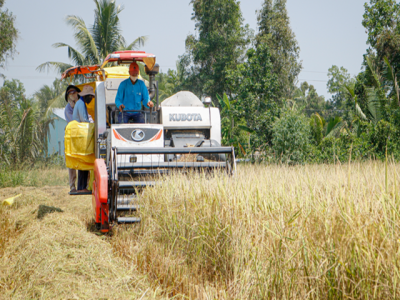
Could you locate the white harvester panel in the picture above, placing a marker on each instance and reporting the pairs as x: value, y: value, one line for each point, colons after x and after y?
x: 185, y: 117
x: 137, y: 136
x: 192, y: 118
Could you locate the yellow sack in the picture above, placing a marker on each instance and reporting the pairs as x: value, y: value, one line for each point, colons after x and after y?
x: 79, y: 145
x: 91, y: 180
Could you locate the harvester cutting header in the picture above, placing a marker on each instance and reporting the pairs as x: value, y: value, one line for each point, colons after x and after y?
x: 135, y: 143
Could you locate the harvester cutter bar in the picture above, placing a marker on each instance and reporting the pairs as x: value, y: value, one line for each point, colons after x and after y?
x: 188, y: 150
x: 130, y: 170
x: 123, y: 207
x: 144, y: 167
x: 125, y: 203
x: 126, y: 185
x: 170, y: 165
x: 128, y: 220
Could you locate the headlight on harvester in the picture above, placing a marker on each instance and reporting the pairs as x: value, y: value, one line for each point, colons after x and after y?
x: 132, y: 159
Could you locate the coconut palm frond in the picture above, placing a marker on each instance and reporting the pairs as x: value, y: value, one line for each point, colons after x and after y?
x: 106, y: 30
x: 77, y: 58
x: 337, y: 129
x: 360, y: 113
x: 84, y: 39
x: 57, y: 66
x: 374, y: 72
x: 374, y: 108
x: 136, y: 44
x: 95, y: 42
x: 351, y: 92
x: 56, y: 102
x: 320, y: 120
x: 332, y: 124
x: 390, y: 75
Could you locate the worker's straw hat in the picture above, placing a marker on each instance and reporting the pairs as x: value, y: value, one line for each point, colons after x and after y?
x: 87, y: 90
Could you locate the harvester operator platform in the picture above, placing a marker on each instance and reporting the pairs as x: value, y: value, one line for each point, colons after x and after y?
x: 132, y: 92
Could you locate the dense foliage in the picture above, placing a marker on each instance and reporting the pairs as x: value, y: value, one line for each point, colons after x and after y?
x: 291, y: 137
x: 267, y: 114
x: 23, y: 126
x: 275, y: 32
x: 217, y: 47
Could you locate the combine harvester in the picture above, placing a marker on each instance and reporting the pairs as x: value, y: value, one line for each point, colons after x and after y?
x: 181, y: 133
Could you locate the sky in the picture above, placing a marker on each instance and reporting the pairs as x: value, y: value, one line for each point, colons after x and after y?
x: 328, y: 33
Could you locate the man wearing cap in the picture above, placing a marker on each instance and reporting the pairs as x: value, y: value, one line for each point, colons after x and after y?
x: 71, y: 96
x: 81, y: 115
x: 132, y: 92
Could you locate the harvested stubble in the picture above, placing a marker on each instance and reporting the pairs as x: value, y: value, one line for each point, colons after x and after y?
x: 270, y: 232
x: 57, y: 257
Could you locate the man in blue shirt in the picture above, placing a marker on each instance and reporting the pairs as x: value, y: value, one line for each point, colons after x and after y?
x: 132, y: 92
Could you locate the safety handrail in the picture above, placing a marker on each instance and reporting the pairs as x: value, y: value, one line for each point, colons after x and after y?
x: 146, y: 113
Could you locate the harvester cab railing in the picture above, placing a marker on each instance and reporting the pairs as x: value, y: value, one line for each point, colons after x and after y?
x: 150, y: 115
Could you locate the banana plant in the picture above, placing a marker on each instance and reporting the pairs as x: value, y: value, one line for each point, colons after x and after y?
x: 377, y: 101
x: 391, y: 77
x: 231, y: 127
x: 334, y: 126
x: 227, y: 113
x: 317, y: 124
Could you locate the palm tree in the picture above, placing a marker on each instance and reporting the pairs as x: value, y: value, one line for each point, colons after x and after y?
x: 52, y: 96
x: 96, y: 42
x: 47, y: 98
x: 21, y: 126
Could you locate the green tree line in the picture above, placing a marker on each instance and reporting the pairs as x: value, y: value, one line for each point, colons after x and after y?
x: 251, y: 75
x: 266, y: 113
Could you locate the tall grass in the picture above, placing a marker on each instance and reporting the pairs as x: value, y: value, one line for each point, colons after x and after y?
x: 276, y: 232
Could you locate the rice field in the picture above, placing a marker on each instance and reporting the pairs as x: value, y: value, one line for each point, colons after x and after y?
x: 269, y: 232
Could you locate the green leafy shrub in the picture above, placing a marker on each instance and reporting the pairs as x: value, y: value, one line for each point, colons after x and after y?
x: 291, y: 138
x: 379, y: 137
